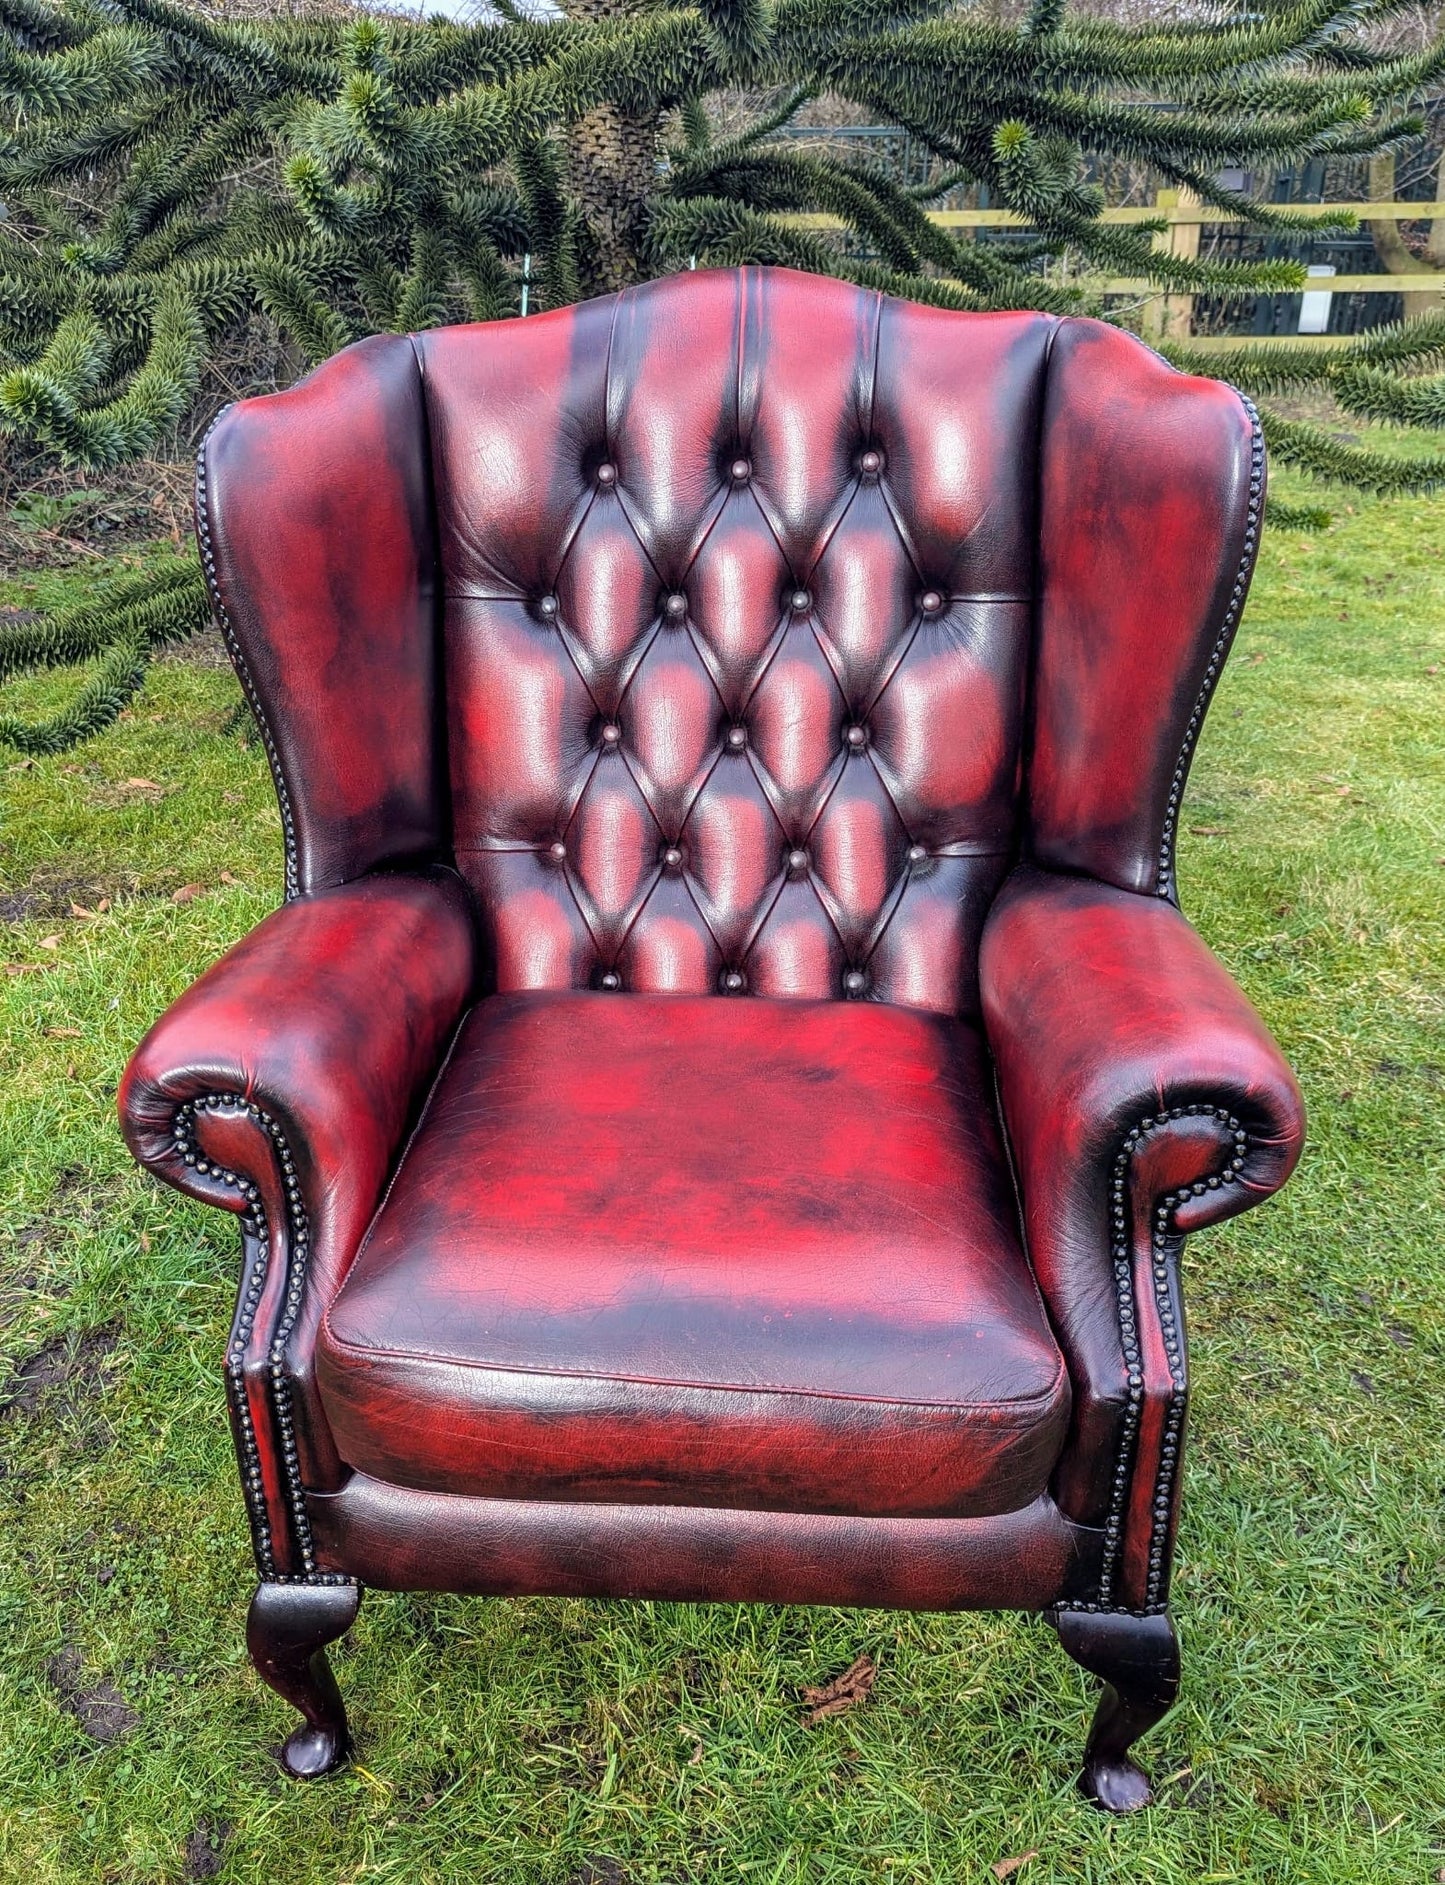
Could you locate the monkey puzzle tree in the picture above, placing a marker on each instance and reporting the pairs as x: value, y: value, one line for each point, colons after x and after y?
x: 167, y: 176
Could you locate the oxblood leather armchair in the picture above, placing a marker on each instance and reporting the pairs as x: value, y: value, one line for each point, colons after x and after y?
x: 729, y: 739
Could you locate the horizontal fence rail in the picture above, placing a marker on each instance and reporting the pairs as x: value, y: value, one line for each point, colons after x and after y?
x: 1183, y: 218
x: 1163, y: 212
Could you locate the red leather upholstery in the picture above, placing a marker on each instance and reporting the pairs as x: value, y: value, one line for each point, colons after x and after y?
x: 1106, y: 1014
x: 400, y: 1540
x: 607, y: 1271
x: 332, y: 1015
x: 693, y: 543
x: 1151, y: 486
x: 746, y: 634
x: 280, y: 1086
x: 314, y: 512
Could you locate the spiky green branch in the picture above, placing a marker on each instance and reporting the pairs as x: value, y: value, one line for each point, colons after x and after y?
x: 169, y: 176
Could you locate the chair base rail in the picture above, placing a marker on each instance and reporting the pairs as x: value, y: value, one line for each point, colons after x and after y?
x: 395, y: 1538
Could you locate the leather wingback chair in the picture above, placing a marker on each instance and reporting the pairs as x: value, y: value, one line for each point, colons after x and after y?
x: 718, y: 1111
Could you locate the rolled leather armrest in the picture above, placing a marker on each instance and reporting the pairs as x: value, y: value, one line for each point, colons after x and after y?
x: 1134, y: 1078
x: 300, y: 1058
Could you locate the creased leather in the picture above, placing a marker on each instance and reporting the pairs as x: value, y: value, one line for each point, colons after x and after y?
x: 316, y: 519
x: 331, y: 1016
x: 396, y: 1539
x: 1104, y: 1007
x: 705, y: 1252
x: 1147, y: 524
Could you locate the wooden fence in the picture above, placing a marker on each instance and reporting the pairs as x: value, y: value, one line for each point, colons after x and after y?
x: 1185, y: 218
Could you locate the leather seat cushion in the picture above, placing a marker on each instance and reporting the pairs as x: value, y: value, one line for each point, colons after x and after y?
x: 708, y: 1252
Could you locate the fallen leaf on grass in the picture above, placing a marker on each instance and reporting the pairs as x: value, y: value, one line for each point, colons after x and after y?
x: 227, y: 878
x: 27, y: 968
x: 49, y: 942
x: 1208, y: 831
x: 842, y: 1693
x: 186, y: 894
x: 65, y: 1034
x: 1005, y: 1868
x: 139, y: 785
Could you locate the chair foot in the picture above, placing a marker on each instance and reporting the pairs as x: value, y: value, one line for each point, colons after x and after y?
x: 1138, y: 1660
x: 287, y: 1630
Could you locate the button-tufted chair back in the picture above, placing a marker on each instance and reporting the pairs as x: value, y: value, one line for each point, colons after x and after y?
x: 739, y: 632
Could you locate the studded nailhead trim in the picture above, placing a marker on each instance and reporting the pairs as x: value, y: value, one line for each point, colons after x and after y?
x: 238, y: 658
x: 1164, y: 882
x: 1164, y: 1241
x: 258, y: 1241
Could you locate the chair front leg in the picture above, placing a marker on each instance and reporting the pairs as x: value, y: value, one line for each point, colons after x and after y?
x: 287, y: 1631
x: 1126, y: 1636
x: 1138, y: 1660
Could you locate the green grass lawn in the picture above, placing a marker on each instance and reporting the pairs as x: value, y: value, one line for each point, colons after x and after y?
x: 612, y: 1744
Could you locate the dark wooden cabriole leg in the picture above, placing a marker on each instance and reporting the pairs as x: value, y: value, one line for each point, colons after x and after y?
x: 287, y: 1631
x: 1138, y: 1660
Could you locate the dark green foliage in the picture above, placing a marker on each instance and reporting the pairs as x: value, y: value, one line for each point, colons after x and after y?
x: 116, y: 631
x: 169, y: 176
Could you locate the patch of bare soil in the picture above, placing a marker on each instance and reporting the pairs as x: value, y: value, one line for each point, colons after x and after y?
x: 204, y: 1852
x: 206, y: 650
x: 78, y: 1363
x: 53, y: 891
x: 600, y: 1871
x: 100, y: 1708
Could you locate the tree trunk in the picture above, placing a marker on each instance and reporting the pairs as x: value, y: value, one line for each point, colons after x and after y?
x: 612, y: 166
x: 1391, y: 246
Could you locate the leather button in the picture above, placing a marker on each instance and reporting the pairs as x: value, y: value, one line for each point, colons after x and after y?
x: 672, y: 858
x: 740, y: 470
x: 606, y: 474
x: 548, y: 607
x: 734, y: 982
x: 916, y: 854
x: 854, y: 982
x: 610, y: 980
x: 557, y: 851
x: 612, y: 734
x: 931, y: 602
x: 800, y: 601
x: 675, y: 607
x: 870, y: 464
x: 855, y: 738
x: 797, y: 861
x: 737, y: 739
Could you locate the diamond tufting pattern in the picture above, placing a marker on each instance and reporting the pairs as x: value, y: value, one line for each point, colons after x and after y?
x: 737, y: 613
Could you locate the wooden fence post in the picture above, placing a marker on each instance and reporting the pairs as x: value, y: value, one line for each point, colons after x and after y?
x: 1171, y: 317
